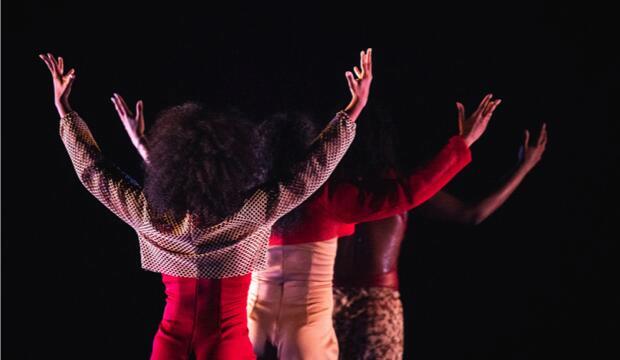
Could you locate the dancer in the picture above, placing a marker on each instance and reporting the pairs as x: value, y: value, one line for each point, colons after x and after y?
x: 290, y: 304
x: 368, y: 313
x: 205, y: 214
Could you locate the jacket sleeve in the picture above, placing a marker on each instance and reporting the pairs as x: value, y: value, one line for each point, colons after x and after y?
x: 269, y: 204
x: 113, y: 188
x: 350, y: 204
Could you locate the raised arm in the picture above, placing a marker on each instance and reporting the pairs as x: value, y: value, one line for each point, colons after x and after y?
x: 63, y: 82
x: 117, y: 191
x: 133, y: 123
x: 325, y: 153
x: 352, y: 204
x: 359, y: 85
x: 446, y: 207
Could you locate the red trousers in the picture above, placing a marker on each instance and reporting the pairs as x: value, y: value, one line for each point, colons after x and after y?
x: 204, y: 317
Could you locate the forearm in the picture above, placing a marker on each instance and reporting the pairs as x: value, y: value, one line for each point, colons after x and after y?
x: 113, y: 188
x: 63, y: 107
x: 143, y: 149
x: 351, y: 203
x: 324, y: 155
x: 437, y: 173
x: 355, y: 107
x: 79, y: 142
x: 479, y: 211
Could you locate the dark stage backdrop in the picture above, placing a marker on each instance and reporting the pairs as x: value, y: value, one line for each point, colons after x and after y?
x: 537, y: 280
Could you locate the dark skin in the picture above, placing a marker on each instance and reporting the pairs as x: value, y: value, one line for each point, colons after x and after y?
x: 371, y: 253
x: 370, y: 257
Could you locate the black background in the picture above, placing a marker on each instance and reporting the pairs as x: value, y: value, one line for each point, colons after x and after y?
x: 536, y: 280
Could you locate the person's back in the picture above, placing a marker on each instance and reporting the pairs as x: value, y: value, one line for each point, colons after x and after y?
x: 205, y: 216
x: 368, y: 313
x: 370, y: 256
x: 290, y: 304
x: 366, y: 289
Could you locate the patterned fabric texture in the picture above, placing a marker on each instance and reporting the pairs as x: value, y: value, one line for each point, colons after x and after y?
x: 237, y: 245
x: 369, y: 323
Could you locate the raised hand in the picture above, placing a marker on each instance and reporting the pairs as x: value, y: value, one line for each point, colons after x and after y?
x: 359, y: 85
x: 473, y: 127
x: 530, y: 155
x: 133, y: 123
x: 62, y: 82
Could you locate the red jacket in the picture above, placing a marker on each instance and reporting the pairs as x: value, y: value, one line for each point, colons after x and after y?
x: 336, y: 207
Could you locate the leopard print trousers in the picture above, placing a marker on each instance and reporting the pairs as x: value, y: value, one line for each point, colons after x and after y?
x: 369, y: 323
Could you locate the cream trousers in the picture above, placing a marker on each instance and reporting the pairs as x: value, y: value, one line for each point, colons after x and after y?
x: 290, y: 304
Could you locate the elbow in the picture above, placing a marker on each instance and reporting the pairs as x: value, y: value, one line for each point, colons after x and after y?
x: 474, y: 217
x: 88, y: 176
x: 477, y: 220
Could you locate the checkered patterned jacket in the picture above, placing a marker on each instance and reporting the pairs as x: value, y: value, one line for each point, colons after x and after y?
x: 235, y: 246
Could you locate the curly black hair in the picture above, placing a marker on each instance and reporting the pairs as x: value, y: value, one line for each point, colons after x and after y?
x: 374, y: 156
x: 288, y: 138
x: 202, y: 162
x: 374, y: 153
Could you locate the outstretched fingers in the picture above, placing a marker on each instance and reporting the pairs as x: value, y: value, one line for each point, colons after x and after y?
x: 351, y: 81
x: 368, y: 65
x: 53, y: 61
x: 491, y: 106
x: 124, y: 105
x: 460, y: 108
x: 362, y: 68
x: 48, y: 63
x: 140, y: 116
x: 461, y: 116
x: 482, y: 106
x: 120, y: 103
x: 365, y: 69
x: 526, y: 139
x: 57, y: 68
x: 61, y: 65
x: 70, y: 78
x: 542, y: 138
x: 139, y: 109
x: 358, y: 73
x: 487, y: 107
x: 118, y: 107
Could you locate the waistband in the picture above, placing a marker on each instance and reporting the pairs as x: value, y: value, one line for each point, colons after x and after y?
x: 386, y: 280
x: 300, y: 262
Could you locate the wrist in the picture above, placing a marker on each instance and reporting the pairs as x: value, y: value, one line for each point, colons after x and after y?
x: 140, y: 142
x: 468, y: 140
x: 355, y: 107
x: 63, y: 107
x: 526, y: 167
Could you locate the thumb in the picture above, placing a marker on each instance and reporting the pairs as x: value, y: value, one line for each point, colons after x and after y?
x: 139, y: 108
x: 460, y: 115
x: 70, y: 79
x: 70, y: 75
x: 140, y: 117
x: 526, y: 139
x: 350, y: 80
